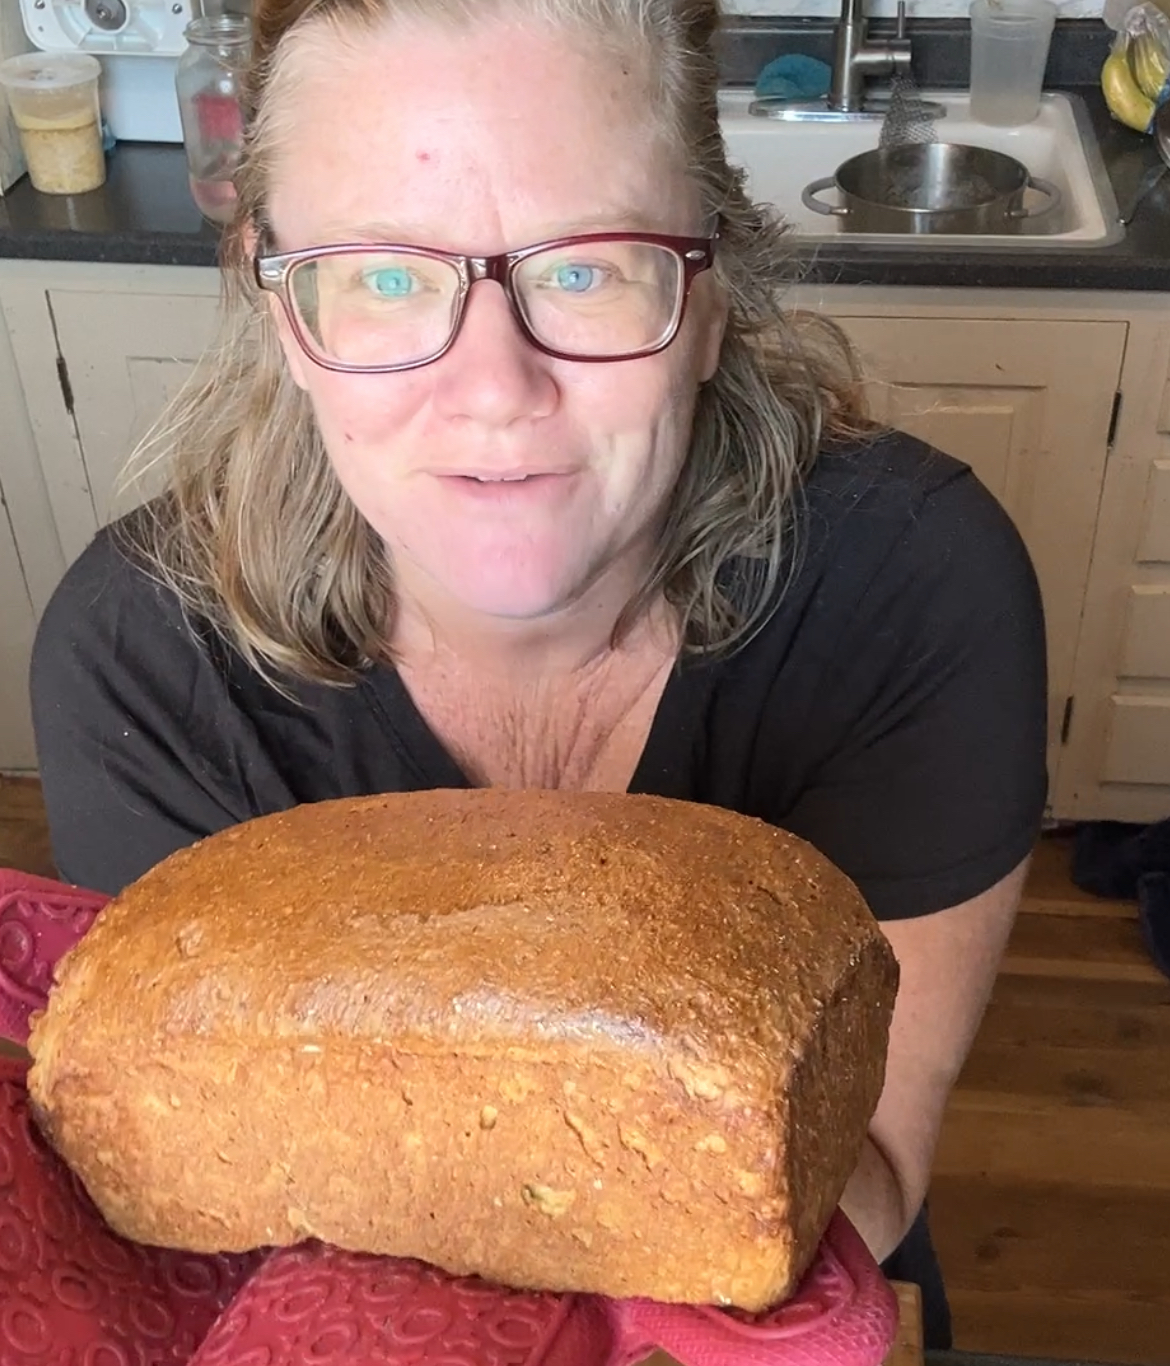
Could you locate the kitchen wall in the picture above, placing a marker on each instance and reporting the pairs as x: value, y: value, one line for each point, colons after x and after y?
x: 916, y: 9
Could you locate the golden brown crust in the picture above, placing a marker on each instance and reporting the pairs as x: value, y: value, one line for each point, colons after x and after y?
x: 583, y: 1041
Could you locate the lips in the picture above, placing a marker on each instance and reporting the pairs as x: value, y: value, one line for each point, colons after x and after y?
x: 488, y: 476
x: 517, y: 487
x: 499, y: 478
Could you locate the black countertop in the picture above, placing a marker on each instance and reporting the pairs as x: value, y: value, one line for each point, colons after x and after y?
x: 144, y: 213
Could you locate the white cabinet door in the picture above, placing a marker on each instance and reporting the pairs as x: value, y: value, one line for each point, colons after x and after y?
x: 17, y: 623
x: 1027, y: 404
x: 125, y: 357
x: 1118, y: 763
x: 89, y: 355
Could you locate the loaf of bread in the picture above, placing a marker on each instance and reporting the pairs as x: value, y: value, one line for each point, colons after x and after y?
x: 591, y: 1042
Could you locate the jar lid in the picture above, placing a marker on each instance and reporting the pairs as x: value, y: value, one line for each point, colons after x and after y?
x: 46, y: 71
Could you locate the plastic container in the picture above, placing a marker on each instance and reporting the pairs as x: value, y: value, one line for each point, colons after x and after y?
x: 54, y: 101
x: 1009, y: 51
x: 208, y: 81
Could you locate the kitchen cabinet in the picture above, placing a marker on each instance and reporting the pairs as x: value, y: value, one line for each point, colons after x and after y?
x: 89, y: 355
x: 1060, y: 401
x: 99, y: 352
x: 26, y: 579
x: 17, y: 623
x: 1118, y: 758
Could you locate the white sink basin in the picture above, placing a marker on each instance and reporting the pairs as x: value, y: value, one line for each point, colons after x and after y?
x: 782, y: 157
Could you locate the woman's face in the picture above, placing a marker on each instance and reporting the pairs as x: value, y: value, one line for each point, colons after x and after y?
x: 503, y: 481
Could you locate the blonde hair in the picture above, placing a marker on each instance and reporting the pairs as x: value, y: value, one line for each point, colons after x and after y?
x: 255, y: 534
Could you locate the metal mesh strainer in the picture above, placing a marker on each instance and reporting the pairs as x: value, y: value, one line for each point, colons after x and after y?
x: 909, y: 118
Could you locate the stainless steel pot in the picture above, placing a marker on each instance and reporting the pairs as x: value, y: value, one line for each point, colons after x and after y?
x: 937, y: 187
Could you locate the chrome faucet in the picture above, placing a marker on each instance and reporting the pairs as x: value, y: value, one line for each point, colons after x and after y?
x: 856, y: 59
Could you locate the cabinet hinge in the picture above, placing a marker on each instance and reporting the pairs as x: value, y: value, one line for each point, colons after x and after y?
x: 1114, y: 414
x: 66, y: 387
x: 1066, y: 720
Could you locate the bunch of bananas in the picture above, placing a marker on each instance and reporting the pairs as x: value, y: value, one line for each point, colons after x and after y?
x: 1133, y: 78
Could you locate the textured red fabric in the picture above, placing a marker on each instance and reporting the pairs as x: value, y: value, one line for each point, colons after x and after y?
x: 72, y: 1293
x: 39, y: 921
x: 844, y: 1313
x: 313, y: 1304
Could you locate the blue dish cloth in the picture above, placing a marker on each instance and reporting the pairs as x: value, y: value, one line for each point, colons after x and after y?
x: 794, y: 77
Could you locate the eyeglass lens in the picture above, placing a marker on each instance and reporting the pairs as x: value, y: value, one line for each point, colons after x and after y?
x: 372, y: 307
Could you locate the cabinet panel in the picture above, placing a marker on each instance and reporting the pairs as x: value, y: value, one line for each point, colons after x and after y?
x: 17, y: 625
x: 23, y: 481
x: 1145, y: 650
x: 1028, y: 405
x: 149, y: 344
x: 1138, y: 742
x: 1154, y: 547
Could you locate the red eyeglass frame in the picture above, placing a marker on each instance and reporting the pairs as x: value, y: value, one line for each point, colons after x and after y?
x: 272, y: 271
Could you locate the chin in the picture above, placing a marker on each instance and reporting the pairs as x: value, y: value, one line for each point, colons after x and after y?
x: 510, y: 597
x: 513, y: 605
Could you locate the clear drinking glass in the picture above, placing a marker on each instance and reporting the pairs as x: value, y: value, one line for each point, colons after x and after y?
x: 208, y: 81
x: 1009, y: 51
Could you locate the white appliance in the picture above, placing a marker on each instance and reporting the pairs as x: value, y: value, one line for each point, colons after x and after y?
x: 138, y: 43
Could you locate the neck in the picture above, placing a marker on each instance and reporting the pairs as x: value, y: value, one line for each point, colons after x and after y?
x: 575, y: 639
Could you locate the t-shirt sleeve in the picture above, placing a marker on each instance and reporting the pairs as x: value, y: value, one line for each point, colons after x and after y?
x: 125, y: 697
x: 933, y: 786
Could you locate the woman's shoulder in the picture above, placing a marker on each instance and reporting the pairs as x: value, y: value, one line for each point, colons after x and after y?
x: 891, y: 537
x: 896, y: 505
x: 888, y: 469
x: 111, y: 599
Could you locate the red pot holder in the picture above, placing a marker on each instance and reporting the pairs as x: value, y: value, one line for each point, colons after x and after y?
x: 74, y: 1293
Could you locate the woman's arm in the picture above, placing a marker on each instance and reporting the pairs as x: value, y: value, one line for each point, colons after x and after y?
x: 948, y: 964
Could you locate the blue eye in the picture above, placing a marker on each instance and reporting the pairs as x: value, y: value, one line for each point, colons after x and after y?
x: 575, y: 277
x: 389, y: 282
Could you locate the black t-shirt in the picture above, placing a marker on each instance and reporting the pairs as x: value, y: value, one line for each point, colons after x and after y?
x: 892, y: 711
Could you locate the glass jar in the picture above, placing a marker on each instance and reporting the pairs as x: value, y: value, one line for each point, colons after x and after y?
x: 208, y: 81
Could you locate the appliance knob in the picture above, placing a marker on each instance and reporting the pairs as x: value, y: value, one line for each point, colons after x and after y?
x: 109, y: 15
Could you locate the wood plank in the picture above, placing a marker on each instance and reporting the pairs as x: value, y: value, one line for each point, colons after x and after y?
x: 1000, y: 1236
x: 1018, y: 1139
x: 1083, y: 947
x: 1081, y: 1077
x: 1073, y: 1327
x: 1061, y: 1013
x: 24, y: 836
x: 1135, y: 972
x: 907, y: 1348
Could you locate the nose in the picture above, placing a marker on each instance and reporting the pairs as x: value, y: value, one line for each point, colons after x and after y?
x: 492, y: 374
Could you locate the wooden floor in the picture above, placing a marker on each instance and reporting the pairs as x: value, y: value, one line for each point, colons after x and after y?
x: 1051, y: 1199
x: 1051, y: 1202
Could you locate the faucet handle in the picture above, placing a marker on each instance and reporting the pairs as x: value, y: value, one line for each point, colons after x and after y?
x: 900, y: 31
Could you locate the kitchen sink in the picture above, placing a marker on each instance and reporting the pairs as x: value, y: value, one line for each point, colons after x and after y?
x: 782, y: 157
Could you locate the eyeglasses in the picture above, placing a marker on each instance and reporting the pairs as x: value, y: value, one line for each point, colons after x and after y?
x: 599, y: 297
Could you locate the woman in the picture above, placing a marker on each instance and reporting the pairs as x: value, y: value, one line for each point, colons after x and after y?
x: 509, y: 471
